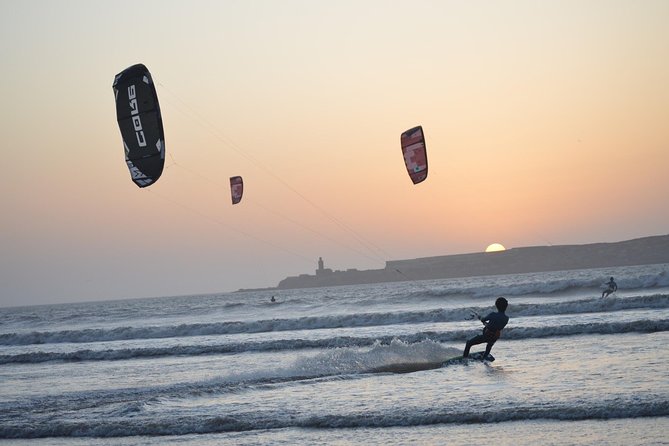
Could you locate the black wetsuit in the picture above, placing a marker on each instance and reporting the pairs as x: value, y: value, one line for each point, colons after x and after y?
x: 494, y: 323
x: 612, y: 288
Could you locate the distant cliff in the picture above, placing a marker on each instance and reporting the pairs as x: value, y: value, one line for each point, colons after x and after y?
x: 641, y: 251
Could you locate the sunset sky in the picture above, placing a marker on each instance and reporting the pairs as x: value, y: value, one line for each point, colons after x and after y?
x: 547, y: 122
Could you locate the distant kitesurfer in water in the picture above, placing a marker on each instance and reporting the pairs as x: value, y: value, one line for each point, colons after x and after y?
x: 612, y: 286
x: 494, y: 323
x: 272, y: 299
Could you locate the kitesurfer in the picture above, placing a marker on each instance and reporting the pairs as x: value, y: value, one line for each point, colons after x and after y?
x: 612, y: 286
x: 272, y: 299
x: 493, y: 325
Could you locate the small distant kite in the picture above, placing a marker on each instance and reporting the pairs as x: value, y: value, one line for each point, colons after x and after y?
x: 236, y: 189
x: 141, y: 125
x: 415, y: 153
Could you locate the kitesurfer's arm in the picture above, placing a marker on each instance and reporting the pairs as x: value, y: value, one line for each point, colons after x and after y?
x: 485, y: 320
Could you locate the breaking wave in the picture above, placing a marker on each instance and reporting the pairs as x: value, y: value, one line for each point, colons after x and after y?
x: 247, y: 421
x: 513, y: 333
x: 595, y: 305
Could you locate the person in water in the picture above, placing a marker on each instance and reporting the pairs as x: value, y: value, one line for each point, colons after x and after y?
x: 493, y: 325
x: 612, y: 286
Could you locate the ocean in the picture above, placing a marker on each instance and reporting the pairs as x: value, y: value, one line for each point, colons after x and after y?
x: 349, y: 365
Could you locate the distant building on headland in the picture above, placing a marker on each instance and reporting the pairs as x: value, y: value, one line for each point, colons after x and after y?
x: 642, y: 251
x: 321, y: 271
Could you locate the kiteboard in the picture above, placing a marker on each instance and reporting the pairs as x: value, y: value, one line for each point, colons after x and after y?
x: 478, y: 356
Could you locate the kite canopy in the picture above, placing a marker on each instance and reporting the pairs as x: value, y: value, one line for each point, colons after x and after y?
x: 415, y: 153
x: 236, y: 189
x: 138, y: 116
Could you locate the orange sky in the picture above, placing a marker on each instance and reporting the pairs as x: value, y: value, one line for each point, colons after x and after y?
x: 546, y: 122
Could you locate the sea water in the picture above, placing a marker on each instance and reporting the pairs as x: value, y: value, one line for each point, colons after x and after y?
x: 347, y: 365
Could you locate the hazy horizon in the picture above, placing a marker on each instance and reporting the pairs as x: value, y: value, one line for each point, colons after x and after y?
x: 545, y: 124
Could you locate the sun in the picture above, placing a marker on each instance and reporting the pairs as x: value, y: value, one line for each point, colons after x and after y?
x: 495, y: 247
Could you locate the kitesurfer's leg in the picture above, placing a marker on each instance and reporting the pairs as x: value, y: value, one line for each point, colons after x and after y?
x: 488, y: 348
x: 480, y: 339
